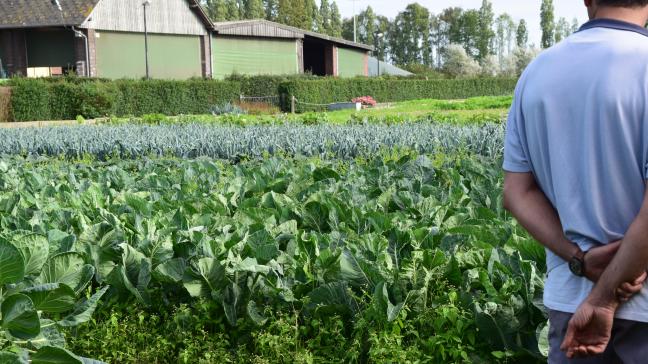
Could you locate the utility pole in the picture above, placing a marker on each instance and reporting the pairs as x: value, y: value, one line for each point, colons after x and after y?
x: 355, y: 22
x: 379, y: 37
x: 146, y: 54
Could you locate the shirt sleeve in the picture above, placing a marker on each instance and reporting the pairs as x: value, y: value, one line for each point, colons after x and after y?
x: 515, y: 156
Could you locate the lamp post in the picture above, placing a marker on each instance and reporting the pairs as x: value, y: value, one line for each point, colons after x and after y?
x: 379, y: 36
x: 145, y: 4
x: 355, y: 22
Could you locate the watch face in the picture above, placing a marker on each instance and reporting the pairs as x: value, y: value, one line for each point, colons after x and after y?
x: 576, y: 267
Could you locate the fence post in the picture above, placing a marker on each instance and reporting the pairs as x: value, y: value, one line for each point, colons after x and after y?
x: 240, y: 99
x: 292, y: 104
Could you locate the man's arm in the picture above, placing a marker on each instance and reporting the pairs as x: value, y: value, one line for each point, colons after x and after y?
x: 530, y: 206
x: 590, y: 328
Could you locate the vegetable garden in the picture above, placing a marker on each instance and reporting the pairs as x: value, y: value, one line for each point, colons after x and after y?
x: 199, y: 243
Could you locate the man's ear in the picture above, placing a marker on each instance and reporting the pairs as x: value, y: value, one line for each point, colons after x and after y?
x: 588, y: 3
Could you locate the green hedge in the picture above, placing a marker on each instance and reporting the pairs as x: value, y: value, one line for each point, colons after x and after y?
x: 66, y: 98
x: 36, y: 99
x: 5, y: 104
x: 330, y: 90
x: 265, y: 85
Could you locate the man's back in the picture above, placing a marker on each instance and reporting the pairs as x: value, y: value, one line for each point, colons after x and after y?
x: 580, y: 124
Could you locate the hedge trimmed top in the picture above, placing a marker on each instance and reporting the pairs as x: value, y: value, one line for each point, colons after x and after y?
x: 65, y: 99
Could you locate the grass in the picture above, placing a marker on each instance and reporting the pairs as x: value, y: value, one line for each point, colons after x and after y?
x: 463, y: 111
x: 478, y: 110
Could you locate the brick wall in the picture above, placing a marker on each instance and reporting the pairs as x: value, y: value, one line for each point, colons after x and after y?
x: 206, y: 55
x: 80, y: 53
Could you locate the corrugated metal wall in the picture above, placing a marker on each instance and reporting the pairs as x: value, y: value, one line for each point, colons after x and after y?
x: 121, y: 55
x: 163, y: 17
x: 254, y: 56
x: 351, y: 62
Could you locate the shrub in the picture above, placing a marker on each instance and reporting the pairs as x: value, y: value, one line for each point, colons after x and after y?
x: 365, y: 101
x: 5, y: 104
x: 30, y: 100
x: 50, y: 99
x: 226, y: 109
x: 391, y: 90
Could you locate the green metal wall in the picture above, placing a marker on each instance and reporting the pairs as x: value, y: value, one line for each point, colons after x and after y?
x: 254, y: 56
x: 351, y: 62
x: 47, y: 48
x: 121, y: 55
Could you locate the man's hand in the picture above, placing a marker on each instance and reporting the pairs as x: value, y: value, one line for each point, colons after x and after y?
x: 590, y: 329
x: 597, y: 260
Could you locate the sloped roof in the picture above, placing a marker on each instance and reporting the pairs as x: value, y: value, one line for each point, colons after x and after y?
x: 266, y: 28
x: 42, y: 13
x: 385, y: 69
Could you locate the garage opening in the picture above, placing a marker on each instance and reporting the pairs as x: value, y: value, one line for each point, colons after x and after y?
x: 318, y: 57
x: 50, y: 50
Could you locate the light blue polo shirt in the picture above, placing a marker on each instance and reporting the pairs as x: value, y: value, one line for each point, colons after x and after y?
x: 579, y: 123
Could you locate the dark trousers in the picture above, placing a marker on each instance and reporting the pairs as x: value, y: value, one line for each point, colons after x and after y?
x: 628, y: 345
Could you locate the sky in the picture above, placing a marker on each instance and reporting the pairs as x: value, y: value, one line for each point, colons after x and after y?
x: 518, y: 9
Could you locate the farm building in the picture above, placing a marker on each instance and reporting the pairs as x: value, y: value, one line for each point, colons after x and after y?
x: 106, y: 38
x: 37, y: 39
x: 264, y: 47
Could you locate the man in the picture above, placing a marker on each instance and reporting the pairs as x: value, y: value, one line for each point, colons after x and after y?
x: 576, y: 162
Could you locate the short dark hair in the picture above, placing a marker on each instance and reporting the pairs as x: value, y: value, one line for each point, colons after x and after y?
x: 623, y: 3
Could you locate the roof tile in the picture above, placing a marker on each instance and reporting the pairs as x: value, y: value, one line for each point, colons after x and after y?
x: 39, y: 13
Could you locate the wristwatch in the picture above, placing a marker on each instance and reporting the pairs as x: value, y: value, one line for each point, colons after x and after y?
x: 577, y: 264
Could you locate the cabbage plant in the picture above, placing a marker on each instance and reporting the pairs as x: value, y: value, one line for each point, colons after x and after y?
x: 40, y: 293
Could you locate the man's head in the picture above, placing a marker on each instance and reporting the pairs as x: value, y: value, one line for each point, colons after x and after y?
x: 611, y: 8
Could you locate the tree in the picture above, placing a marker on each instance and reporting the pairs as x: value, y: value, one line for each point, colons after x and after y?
x: 575, y: 25
x: 347, y: 29
x: 522, y: 36
x: 217, y: 10
x: 366, y: 26
x: 336, y: 21
x: 517, y: 61
x: 547, y: 23
x: 504, y: 29
x: 486, y: 34
x: 411, y: 43
x: 314, y: 15
x: 381, y: 45
x: 490, y: 66
x: 325, y: 14
x: 445, y: 29
x: 232, y: 10
x: 523, y: 57
x: 457, y: 63
x: 271, y: 8
x: 295, y: 13
x: 563, y: 30
x: 436, y: 40
x: 469, y: 32
x: 254, y: 9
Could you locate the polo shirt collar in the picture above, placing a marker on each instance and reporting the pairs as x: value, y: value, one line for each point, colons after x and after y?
x: 614, y: 24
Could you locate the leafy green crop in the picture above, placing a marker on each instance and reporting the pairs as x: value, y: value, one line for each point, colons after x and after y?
x: 234, y: 143
x: 39, y: 293
x: 377, y: 242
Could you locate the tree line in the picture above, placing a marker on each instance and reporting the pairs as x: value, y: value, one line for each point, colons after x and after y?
x: 456, y: 40
x: 323, y: 18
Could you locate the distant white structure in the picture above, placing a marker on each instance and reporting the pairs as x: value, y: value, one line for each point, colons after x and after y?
x: 385, y: 69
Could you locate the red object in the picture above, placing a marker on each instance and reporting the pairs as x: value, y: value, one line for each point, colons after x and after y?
x: 365, y: 100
